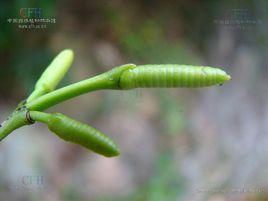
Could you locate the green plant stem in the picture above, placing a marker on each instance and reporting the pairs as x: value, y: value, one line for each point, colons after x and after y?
x: 16, y: 120
x: 40, y: 116
x: 108, y: 80
x: 68, y: 92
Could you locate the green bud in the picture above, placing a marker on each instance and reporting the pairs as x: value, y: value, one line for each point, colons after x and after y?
x: 53, y: 74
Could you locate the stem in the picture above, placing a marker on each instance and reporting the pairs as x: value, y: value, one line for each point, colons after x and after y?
x: 40, y: 116
x: 16, y: 120
x: 108, y: 80
x: 68, y: 92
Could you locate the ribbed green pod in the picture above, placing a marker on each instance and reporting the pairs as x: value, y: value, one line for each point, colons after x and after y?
x: 171, y: 75
x: 76, y: 132
x: 53, y: 74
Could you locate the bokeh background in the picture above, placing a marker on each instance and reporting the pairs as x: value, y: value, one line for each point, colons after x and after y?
x: 176, y: 144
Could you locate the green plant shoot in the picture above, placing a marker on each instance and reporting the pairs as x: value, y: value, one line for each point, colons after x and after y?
x: 124, y: 77
x: 53, y: 74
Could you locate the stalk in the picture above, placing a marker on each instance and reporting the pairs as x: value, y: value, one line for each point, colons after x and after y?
x: 108, y: 80
x: 40, y: 116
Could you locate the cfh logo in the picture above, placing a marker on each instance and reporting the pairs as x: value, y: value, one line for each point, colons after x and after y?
x: 30, y: 12
x: 32, y: 180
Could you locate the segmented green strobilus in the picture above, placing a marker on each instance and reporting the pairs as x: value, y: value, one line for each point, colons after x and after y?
x: 76, y: 132
x: 170, y: 75
x: 128, y: 76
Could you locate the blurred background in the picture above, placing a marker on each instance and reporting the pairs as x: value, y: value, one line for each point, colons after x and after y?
x: 207, y: 144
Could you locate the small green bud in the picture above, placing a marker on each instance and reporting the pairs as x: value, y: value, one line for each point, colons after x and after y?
x: 53, y: 74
